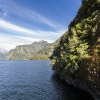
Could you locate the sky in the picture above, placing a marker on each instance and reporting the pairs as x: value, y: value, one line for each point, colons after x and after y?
x: 26, y: 21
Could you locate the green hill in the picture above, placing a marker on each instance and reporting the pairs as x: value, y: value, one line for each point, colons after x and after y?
x: 24, y: 52
x: 76, y: 59
x: 45, y: 52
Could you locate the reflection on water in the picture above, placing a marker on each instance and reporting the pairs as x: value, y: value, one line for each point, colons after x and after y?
x: 69, y: 92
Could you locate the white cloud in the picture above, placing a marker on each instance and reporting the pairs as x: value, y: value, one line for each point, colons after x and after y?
x: 39, y: 33
x: 40, y: 18
x: 10, y: 42
x: 17, y: 28
x: 28, y: 14
x: 32, y: 39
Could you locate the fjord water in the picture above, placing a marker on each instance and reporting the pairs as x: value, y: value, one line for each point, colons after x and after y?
x: 34, y: 80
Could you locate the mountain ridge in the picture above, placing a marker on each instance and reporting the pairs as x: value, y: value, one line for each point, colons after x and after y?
x: 24, y: 52
x: 46, y: 51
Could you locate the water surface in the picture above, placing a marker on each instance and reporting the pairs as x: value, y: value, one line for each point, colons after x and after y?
x: 34, y: 80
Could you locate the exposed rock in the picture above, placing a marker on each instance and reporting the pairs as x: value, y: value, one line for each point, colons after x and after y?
x: 24, y: 52
x: 46, y: 52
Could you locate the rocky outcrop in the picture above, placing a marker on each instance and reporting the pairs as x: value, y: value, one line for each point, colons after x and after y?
x: 76, y: 59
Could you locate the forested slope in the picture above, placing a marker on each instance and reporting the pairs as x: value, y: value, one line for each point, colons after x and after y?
x: 76, y: 59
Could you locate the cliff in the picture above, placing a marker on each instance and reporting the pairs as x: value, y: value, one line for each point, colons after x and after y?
x: 76, y: 59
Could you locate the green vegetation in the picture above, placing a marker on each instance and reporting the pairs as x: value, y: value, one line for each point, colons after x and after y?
x: 25, y: 52
x: 45, y: 52
x: 77, y: 55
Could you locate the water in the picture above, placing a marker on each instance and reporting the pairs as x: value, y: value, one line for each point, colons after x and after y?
x: 34, y: 80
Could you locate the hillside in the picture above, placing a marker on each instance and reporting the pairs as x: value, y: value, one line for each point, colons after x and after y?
x: 76, y: 59
x: 24, y: 52
x: 46, y: 52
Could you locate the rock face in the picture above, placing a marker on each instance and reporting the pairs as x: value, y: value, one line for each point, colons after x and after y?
x: 24, y: 52
x: 46, y: 52
x: 76, y: 59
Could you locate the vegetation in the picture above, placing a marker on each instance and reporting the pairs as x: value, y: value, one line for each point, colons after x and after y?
x: 77, y: 55
x: 45, y: 52
x: 25, y: 52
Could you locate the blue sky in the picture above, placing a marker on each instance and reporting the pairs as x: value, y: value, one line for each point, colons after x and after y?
x: 26, y: 21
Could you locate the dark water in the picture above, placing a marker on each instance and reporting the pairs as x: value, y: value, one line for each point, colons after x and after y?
x: 34, y: 80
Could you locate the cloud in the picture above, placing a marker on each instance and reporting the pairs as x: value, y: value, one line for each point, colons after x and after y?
x: 5, y: 12
x: 12, y: 17
x: 10, y: 42
x: 40, y: 18
x: 38, y: 33
x: 17, y: 28
x: 11, y: 8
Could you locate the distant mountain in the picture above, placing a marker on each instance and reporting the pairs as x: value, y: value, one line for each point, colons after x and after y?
x: 4, y: 51
x: 3, y: 54
x: 45, y: 52
x: 24, y: 52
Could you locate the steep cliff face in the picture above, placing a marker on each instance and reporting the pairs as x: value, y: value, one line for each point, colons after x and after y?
x: 77, y: 57
x: 24, y: 52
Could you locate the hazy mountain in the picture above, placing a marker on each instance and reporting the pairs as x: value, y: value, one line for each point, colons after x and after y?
x: 3, y: 53
x: 24, y: 52
x: 2, y: 56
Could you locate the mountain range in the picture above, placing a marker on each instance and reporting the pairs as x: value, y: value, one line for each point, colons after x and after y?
x: 25, y: 52
x: 3, y: 54
x: 46, y: 51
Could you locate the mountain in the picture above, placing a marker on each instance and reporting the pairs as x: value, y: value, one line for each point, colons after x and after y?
x: 45, y: 52
x: 24, y: 52
x: 3, y: 54
x: 4, y: 51
x: 76, y: 59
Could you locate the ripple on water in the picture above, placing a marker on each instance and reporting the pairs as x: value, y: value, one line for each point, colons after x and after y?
x: 33, y: 80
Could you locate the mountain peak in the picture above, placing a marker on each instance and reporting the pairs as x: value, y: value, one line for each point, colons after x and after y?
x: 41, y: 41
x: 23, y: 52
